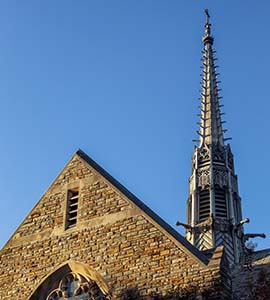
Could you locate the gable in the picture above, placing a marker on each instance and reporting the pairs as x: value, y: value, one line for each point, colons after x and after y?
x: 102, y: 200
x: 146, y: 211
x: 116, y: 234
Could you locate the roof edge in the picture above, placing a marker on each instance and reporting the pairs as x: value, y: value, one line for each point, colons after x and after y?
x: 194, y: 251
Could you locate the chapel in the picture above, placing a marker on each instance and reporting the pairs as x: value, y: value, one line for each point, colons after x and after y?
x: 89, y: 238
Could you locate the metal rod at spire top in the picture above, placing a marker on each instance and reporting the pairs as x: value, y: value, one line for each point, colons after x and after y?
x: 207, y: 15
x: 207, y: 39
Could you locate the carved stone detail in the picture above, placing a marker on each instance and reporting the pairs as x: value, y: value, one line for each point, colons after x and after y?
x: 203, y: 177
x: 220, y: 177
x: 76, y: 287
x: 218, y: 154
x: 203, y: 155
x: 222, y: 225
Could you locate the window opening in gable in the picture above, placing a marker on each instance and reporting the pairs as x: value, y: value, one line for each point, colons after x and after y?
x: 72, y: 208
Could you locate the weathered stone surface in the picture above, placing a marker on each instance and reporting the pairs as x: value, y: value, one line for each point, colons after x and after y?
x: 113, y: 236
x: 244, y: 276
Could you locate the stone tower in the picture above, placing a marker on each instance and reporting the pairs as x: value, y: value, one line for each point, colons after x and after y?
x: 214, y: 213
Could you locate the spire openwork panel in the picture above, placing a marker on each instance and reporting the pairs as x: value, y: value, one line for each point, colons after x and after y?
x: 210, y: 131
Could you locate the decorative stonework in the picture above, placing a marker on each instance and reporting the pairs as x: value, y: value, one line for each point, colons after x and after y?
x: 204, y: 155
x: 218, y: 154
x: 76, y: 287
x: 222, y: 225
x: 213, y: 191
x: 220, y: 177
x: 203, y: 177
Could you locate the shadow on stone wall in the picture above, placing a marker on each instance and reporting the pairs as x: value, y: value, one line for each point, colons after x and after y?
x: 260, y: 289
x: 252, y: 283
x: 191, y: 293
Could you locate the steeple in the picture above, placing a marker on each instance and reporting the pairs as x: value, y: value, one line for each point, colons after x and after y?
x: 214, y: 213
x: 210, y: 118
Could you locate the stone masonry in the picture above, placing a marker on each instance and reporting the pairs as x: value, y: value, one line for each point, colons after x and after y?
x: 116, y: 235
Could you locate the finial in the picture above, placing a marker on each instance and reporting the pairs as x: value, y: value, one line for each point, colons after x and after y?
x: 207, y: 37
x: 207, y: 16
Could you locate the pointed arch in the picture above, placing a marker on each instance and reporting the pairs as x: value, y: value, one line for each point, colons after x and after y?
x: 80, y: 270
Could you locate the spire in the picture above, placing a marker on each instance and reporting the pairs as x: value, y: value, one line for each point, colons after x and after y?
x: 214, y: 210
x: 211, y: 132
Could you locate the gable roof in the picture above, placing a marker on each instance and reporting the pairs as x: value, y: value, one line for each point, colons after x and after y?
x: 164, y: 225
x: 186, y: 247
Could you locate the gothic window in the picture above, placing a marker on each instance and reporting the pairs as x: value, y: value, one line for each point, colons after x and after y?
x: 76, y: 287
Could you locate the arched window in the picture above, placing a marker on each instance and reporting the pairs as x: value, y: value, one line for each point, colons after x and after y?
x: 76, y: 287
x: 72, y: 281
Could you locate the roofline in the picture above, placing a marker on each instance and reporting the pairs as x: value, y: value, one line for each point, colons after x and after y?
x: 194, y: 251
x: 190, y: 249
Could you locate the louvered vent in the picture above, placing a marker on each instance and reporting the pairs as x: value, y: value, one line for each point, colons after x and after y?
x: 204, y: 205
x: 72, y: 208
x: 220, y: 203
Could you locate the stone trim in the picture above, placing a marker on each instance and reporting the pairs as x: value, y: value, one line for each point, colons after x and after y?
x: 110, y: 219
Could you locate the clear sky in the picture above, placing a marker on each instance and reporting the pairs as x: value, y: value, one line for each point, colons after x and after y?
x: 120, y: 80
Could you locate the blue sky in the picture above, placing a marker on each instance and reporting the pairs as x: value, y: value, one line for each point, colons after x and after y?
x: 120, y: 80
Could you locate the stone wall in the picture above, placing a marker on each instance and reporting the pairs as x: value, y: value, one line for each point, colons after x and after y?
x: 114, y: 236
x: 245, y: 277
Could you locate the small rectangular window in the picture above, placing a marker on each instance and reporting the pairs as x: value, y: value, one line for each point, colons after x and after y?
x: 72, y: 208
